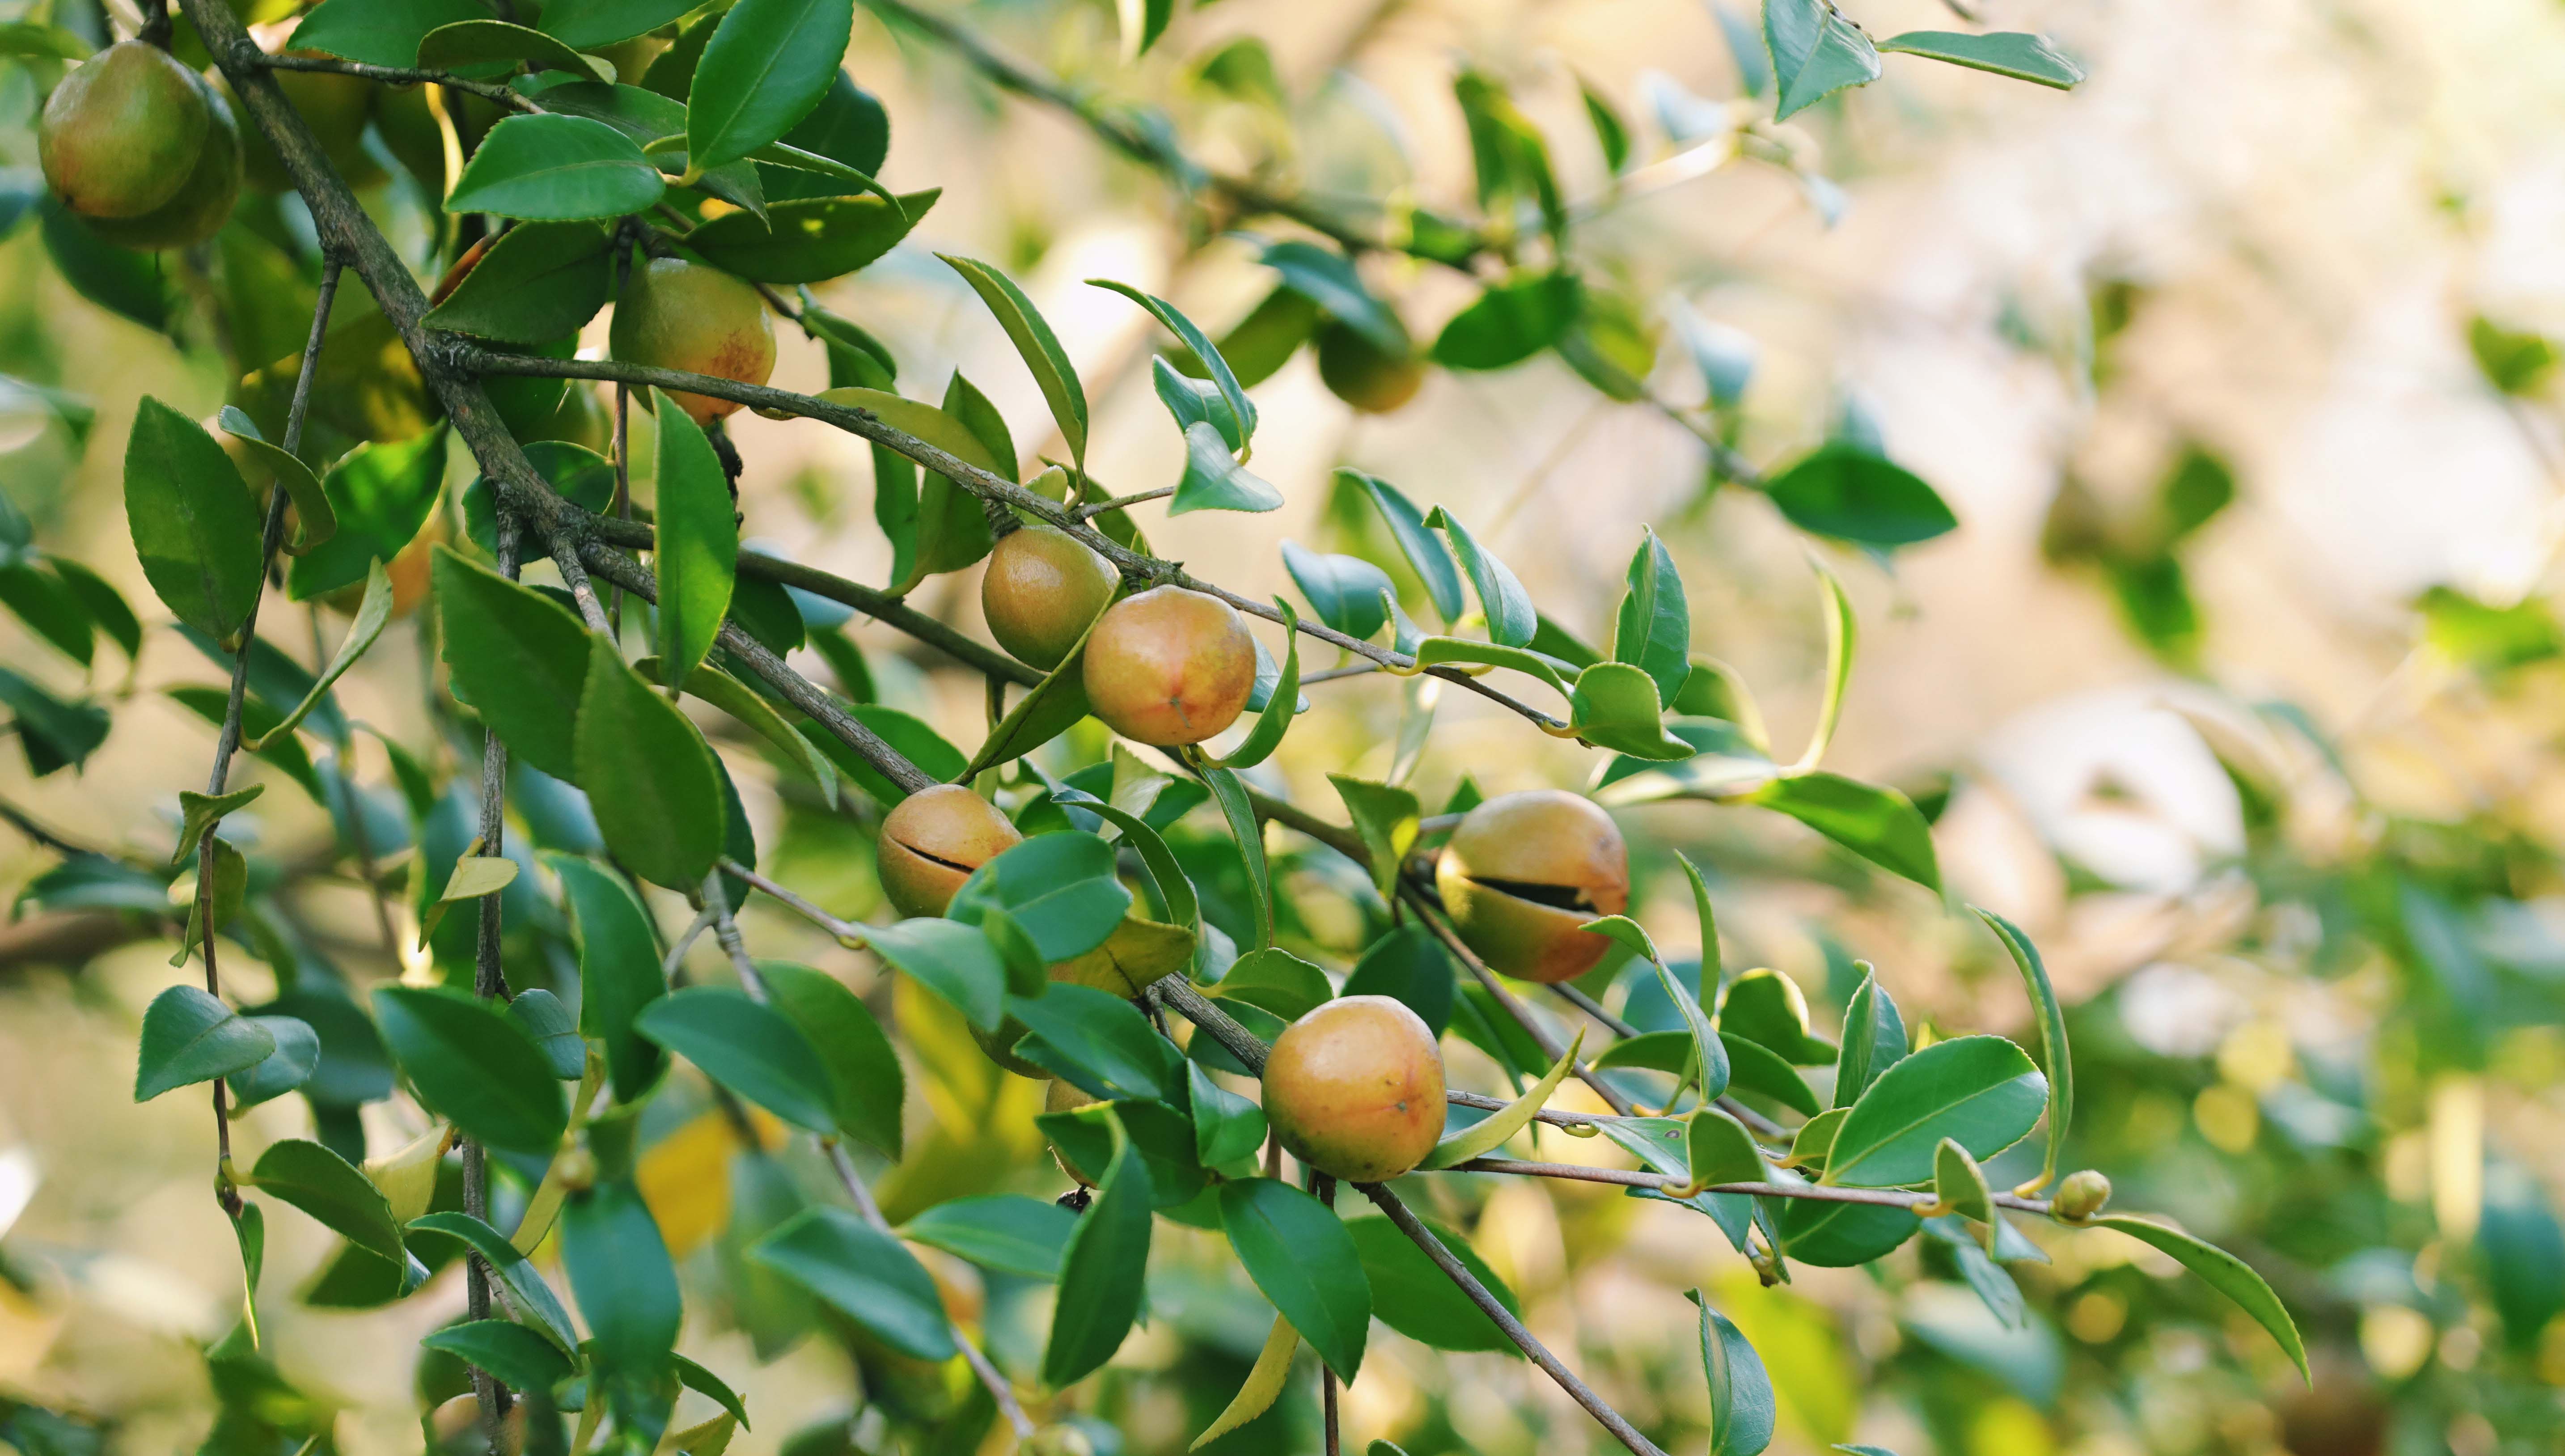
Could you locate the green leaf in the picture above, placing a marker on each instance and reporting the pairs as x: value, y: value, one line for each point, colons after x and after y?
x: 650, y: 778
x: 1706, y: 1045
x: 1327, y: 278
x: 1035, y: 344
x: 1611, y: 134
x: 1241, y: 407
x: 1826, y: 1234
x: 764, y: 68
x: 756, y: 712
x: 472, y: 877
x: 1717, y: 1149
x: 695, y: 541
x: 297, y: 1057
x: 189, y: 1037
x: 1660, y: 1143
x: 1877, y: 823
x: 2017, y: 54
x: 1766, y: 1007
x: 588, y: 24
x: 1850, y: 494
x: 1652, y: 627
x: 1274, y: 719
x: 538, y: 282
x: 1667, y: 1052
x: 541, y: 1016
x: 865, y: 1275
x: 1007, y: 1232
x: 1214, y: 480
x: 104, y: 605
x: 231, y: 883
x: 195, y: 525
x: 519, y: 1357
x: 46, y: 604
x: 1509, y: 323
x: 517, y: 657
x: 864, y: 1078
x: 332, y: 1190
x: 648, y: 118
x: 1501, y: 599
x: 381, y: 495
x: 1300, y: 1256
x: 1492, y: 1131
x: 1161, y: 1135
x: 910, y: 736
x: 2223, y: 1272
x: 1059, y: 891
x: 810, y: 239
x: 474, y: 1065
x: 556, y: 168
x: 1227, y: 1127
x: 517, y: 1278
x: 1344, y: 591
x: 1961, y: 1185
x: 1056, y: 705
x: 953, y: 960
x: 952, y: 530
x: 1981, y: 1092
x: 749, y: 1048
x: 1874, y: 1039
x: 1615, y: 705
x: 201, y: 812
x: 1815, y: 52
x: 1424, y: 550
x: 48, y: 42
x: 619, y: 1270
x: 52, y: 733
x: 259, y: 721
x: 1099, y: 1043
x: 315, y: 520
x: 849, y: 128
x: 485, y: 49
x: 1742, y: 1410
x: 2524, y: 1253
x: 373, y: 612
x: 2057, y: 1062
x: 619, y: 971
x: 1231, y: 795
x: 1277, y: 980
x: 1754, y: 1068
x: 704, y: 1382
x: 1411, y: 1294
x: 380, y: 31
x: 1387, y: 819
x: 1102, y: 1270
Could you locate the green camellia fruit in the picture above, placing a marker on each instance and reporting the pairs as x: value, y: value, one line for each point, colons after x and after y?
x: 202, y: 203
x: 1041, y: 588
x: 932, y: 840
x: 2081, y: 1195
x: 1354, y: 1088
x: 1362, y: 375
x: 676, y: 314
x: 1525, y: 873
x: 119, y: 135
x: 1169, y: 666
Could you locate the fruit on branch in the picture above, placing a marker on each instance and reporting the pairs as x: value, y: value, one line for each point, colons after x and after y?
x: 1041, y: 588
x: 676, y: 314
x: 119, y: 136
x: 932, y: 840
x: 1354, y: 1088
x: 2081, y: 1195
x: 202, y: 203
x: 1169, y: 666
x: 1524, y: 873
x: 336, y: 107
x: 1362, y: 375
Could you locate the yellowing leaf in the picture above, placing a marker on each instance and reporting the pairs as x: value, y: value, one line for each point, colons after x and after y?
x: 685, y: 1181
x: 1489, y: 1135
x: 1264, y: 1384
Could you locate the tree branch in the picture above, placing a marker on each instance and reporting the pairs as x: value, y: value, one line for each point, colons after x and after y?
x: 490, y: 92
x: 489, y: 982
x: 1540, y: 1035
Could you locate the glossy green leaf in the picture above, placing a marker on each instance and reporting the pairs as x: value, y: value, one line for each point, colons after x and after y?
x: 1717, y: 1149
x: 1411, y: 1294
x: 1054, y: 706
x: 287, y: 1068
x: 1874, y: 1039
x: 865, y: 1275
x: 2019, y: 54
x: 1300, y: 1256
x: 1249, y: 832
x: 694, y: 543
x: 1277, y: 980
x: 952, y: 531
x: 1766, y: 1007
x: 380, y: 31
x: 106, y: 606
x: 649, y: 120
x: 1741, y: 1408
x: 519, y: 1279
x: 749, y: 1048
x: 517, y: 657
x: 1492, y: 1131
x: 848, y: 128
x: 332, y: 1190
x: 373, y: 613
x: 1754, y: 1068
x: 315, y: 519
x: 1706, y: 1045
x: 193, y: 523
x: 1815, y: 51
x: 866, y: 1085
x: 382, y: 496
x: 619, y: 971
x: 753, y: 710
x: 620, y: 1270
x: 1409, y: 966
x: 764, y: 68
x: 1098, y: 1042
x: 1424, y: 550
x: 1979, y: 1090
x: 472, y: 877
x: 1509, y: 323
x: 1439, y: 651
x: 1241, y: 407
x: 1262, y: 1387
x: 541, y: 1016
x: 1652, y: 629
x: 1851, y: 494
x: 810, y: 239
x: 484, y: 49
x: 1501, y: 599
x: 2057, y: 1062
x: 1007, y: 1232
x: 1661, y: 1144
x: 2223, y: 1272
x: 1035, y: 344
x: 201, y: 812
x: 651, y: 780
x: 519, y: 1357
x: 1281, y: 702
x: 1227, y: 1127
x: 536, y: 283
x: 1102, y: 1270
x: 1195, y: 401
x: 556, y: 168
x: 1875, y: 821
x: 231, y: 885
x: 474, y: 1065
x: 190, y: 1036
x: 1162, y: 1137
x: 1961, y: 1185
x: 1344, y: 591
x: 591, y: 23
x: 1616, y: 705
x: 1059, y: 891
x: 1828, y: 1235
x: 1387, y: 819
x: 1214, y: 480
x: 953, y: 960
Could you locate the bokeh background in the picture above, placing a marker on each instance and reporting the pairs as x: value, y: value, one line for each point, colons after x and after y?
x: 2274, y: 783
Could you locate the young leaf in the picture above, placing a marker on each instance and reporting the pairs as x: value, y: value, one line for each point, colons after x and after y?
x: 1742, y: 1410
x: 2019, y: 54
x: 1874, y: 1039
x: 1979, y: 1090
x: 1615, y: 705
x: 1263, y: 1386
x: 315, y: 520
x: 1231, y: 795
x: 1241, y: 407
x: 618, y: 972
x: 1300, y: 1256
x: 1509, y: 323
x: 1037, y: 346
x: 1851, y: 494
x: 517, y: 657
x: 473, y: 876
x: 863, y: 1072
x: 517, y: 1356
x: 372, y: 614
x: 1214, y: 480
x: 1706, y: 1045
x: 695, y: 547
x: 469, y: 1062
x: 2057, y: 1062
x: 1961, y: 1185
x: 1424, y: 550
x: 556, y: 168
x: 1007, y: 1232
x: 201, y: 812
x: 193, y: 523
x: 329, y: 1187
x: 1102, y: 1270
x: 1652, y: 629
x: 865, y: 1275
x: 189, y: 1037
x: 748, y: 1048
x: 650, y: 779
x: 1877, y: 823
x: 1492, y: 1131
x: 1411, y: 1294
x: 1195, y: 401
x: 1815, y: 52
x: 1718, y: 1150
x: 517, y: 1278
x: 297, y: 1055
x: 767, y: 65
x: 2224, y: 1272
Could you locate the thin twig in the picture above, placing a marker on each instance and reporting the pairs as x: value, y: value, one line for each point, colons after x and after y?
x: 1540, y: 1035
x: 401, y: 75
x: 1813, y: 1192
x: 1093, y: 509
x: 489, y: 982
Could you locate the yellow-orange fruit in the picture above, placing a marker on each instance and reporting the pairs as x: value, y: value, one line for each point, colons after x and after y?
x: 1041, y: 588
x: 1525, y: 872
x: 1354, y: 1088
x: 932, y: 840
x: 677, y: 314
x: 119, y: 135
x: 1169, y: 666
x: 1362, y: 375
x: 203, y: 202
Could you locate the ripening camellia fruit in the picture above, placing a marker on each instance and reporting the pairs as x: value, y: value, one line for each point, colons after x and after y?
x: 676, y: 314
x: 120, y: 135
x: 1041, y: 588
x: 932, y: 840
x: 202, y: 203
x: 1354, y: 1088
x: 1362, y: 375
x: 1169, y: 666
x: 1524, y: 873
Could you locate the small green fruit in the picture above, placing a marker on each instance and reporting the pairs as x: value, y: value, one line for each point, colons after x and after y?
x: 676, y: 314
x: 119, y: 135
x: 932, y: 840
x: 1041, y: 588
x: 1169, y: 666
x: 202, y: 203
x: 1359, y: 372
x: 1354, y: 1088
x: 2081, y: 1195
x: 1525, y: 874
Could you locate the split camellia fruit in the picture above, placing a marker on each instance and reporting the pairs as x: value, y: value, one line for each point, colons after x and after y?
x: 1041, y: 588
x: 676, y: 314
x: 1524, y: 873
x: 932, y: 840
x: 1169, y: 666
x: 1354, y: 1088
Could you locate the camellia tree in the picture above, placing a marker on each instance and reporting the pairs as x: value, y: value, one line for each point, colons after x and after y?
x: 1102, y: 894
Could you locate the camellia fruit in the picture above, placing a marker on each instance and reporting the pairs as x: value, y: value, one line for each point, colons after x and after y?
x: 1041, y: 588
x: 1354, y: 1088
x: 932, y: 840
x: 202, y: 203
x: 2082, y: 1195
x: 1169, y: 666
x: 1524, y: 873
x: 119, y: 135
x: 1365, y: 375
x: 676, y: 314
